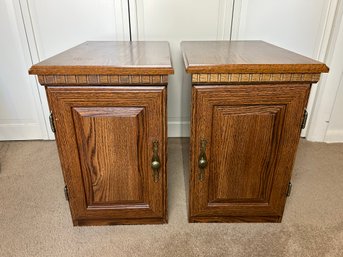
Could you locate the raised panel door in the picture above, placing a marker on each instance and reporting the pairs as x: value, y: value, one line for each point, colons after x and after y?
x: 250, y: 134
x: 105, y: 138
x: 112, y: 144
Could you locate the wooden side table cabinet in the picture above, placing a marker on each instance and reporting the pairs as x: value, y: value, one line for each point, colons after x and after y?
x: 108, y: 105
x: 248, y: 102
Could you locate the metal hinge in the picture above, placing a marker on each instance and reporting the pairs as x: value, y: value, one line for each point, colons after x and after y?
x: 303, y: 124
x: 289, y: 189
x: 52, y: 123
x: 66, y: 193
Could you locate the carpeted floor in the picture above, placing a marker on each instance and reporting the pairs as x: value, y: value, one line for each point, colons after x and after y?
x: 35, y: 219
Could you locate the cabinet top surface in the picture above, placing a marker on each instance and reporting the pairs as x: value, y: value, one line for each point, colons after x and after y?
x: 245, y: 57
x: 109, y: 57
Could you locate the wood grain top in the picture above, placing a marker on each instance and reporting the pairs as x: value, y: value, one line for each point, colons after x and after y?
x: 245, y: 57
x: 109, y: 58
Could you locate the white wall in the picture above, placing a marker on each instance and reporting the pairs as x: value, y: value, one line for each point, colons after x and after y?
x: 293, y: 24
x: 335, y: 128
x: 297, y: 25
x: 303, y: 26
x: 20, y: 112
x: 36, y: 30
x: 326, y: 114
x: 59, y: 25
x: 333, y: 120
x: 177, y: 21
x: 54, y: 26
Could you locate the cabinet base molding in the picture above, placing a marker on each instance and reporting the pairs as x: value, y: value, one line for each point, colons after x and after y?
x: 104, y: 222
x: 236, y: 219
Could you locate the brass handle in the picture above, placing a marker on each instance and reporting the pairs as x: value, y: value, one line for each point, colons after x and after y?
x: 202, y: 164
x: 155, y: 162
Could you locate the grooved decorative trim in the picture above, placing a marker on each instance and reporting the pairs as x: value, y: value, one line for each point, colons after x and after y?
x: 102, y: 79
x: 253, y: 78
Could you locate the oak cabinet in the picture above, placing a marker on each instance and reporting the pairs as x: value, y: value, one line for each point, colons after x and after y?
x: 247, y: 115
x: 111, y: 130
x: 248, y: 132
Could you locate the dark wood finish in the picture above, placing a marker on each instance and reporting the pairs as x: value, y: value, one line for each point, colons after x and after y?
x: 109, y: 58
x: 245, y: 57
x: 252, y: 128
x: 107, y: 117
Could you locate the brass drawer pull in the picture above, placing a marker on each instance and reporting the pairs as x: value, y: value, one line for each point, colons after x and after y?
x: 155, y: 162
x: 202, y: 159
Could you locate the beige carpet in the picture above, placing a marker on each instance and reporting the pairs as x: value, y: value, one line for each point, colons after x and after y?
x: 35, y: 220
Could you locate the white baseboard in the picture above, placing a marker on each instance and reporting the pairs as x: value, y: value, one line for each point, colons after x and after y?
x: 334, y: 136
x: 29, y: 131
x: 178, y: 129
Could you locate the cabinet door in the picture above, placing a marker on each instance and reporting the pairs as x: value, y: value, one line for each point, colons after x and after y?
x: 251, y: 135
x: 105, y: 137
